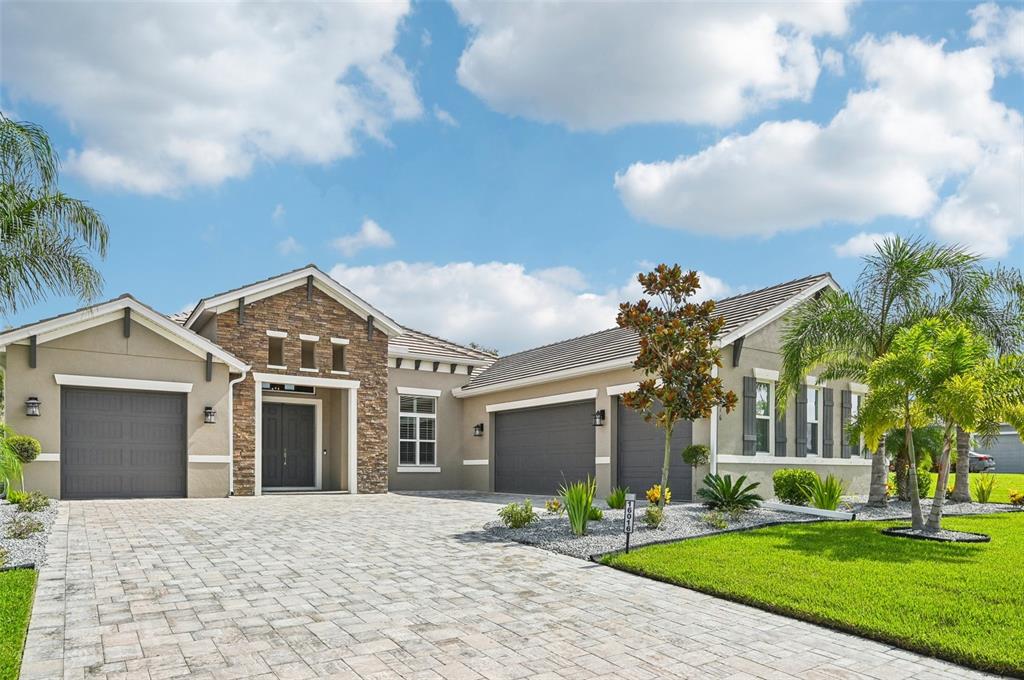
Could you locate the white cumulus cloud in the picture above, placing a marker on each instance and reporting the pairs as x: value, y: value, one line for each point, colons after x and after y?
x: 1000, y: 30
x: 927, y: 121
x: 600, y: 65
x: 278, y: 213
x: 169, y: 95
x: 860, y: 244
x: 370, y: 235
x: 497, y: 304
x: 289, y: 246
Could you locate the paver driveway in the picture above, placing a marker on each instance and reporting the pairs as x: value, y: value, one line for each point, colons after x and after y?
x: 393, y: 586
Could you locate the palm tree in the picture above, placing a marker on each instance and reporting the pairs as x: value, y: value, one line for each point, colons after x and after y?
x: 46, y: 236
x: 843, y: 332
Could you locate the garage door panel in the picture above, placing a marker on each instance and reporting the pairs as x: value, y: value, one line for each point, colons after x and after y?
x: 536, y: 450
x: 122, y: 444
x: 641, y: 452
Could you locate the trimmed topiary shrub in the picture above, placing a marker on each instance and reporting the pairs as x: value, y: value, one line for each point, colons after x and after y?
x: 698, y: 454
x: 791, y: 485
x: 26, y: 448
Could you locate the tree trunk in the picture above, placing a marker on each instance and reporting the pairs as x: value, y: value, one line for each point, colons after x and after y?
x: 917, y: 519
x: 877, y: 497
x: 664, y: 468
x: 902, y: 477
x: 935, y: 516
x: 962, y: 485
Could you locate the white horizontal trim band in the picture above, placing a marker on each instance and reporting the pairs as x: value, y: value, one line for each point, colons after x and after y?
x: 791, y: 461
x: 209, y: 459
x: 766, y: 374
x: 309, y: 338
x: 309, y: 370
x: 543, y: 401
x: 418, y: 468
x: 277, y: 334
x: 419, y: 391
x: 859, y: 388
x: 476, y: 461
x: 811, y: 380
x: 603, y: 460
x: 339, y: 341
x: 615, y: 390
x: 307, y: 380
x: 277, y: 368
x: 121, y: 383
x: 47, y: 458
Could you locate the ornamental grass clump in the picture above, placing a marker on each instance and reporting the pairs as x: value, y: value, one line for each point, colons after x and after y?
x: 825, y: 495
x: 579, y: 498
x: 616, y: 500
x: 984, y: 484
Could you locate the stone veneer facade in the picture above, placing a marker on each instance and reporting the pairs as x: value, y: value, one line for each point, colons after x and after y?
x: 366, y: 361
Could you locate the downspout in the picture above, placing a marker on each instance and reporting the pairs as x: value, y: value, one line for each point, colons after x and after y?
x: 231, y: 429
x: 713, y: 427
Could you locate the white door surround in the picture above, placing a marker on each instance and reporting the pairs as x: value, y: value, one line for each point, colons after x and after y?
x: 318, y: 418
x: 275, y: 378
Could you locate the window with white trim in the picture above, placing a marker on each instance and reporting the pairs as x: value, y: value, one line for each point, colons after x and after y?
x: 308, y: 359
x: 417, y: 430
x: 275, y: 351
x: 763, y: 408
x: 813, y: 433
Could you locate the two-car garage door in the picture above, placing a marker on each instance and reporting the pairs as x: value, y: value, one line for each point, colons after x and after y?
x: 122, y: 444
x: 641, y: 453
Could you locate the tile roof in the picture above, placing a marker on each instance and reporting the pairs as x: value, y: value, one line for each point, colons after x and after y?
x: 421, y: 344
x: 621, y: 343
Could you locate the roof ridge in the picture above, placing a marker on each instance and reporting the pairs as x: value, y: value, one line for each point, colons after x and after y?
x: 487, y: 355
x: 776, y: 285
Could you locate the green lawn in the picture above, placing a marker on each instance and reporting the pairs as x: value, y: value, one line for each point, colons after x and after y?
x: 16, y: 590
x: 955, y: 601
x: 1005, y: 482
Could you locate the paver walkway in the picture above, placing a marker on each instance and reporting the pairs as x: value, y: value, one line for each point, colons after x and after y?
x: 394, y: 586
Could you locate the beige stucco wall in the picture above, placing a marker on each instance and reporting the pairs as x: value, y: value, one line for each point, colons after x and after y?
x: 450, y: 426
x: 104, y: 351
x: 857, y: 477
x: 333, y: 404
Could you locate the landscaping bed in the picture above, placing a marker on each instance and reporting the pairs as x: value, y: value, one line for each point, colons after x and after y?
x: 897, y: 509
x: 683, y: 520
x: 29, y: 550
x: 956, y: 601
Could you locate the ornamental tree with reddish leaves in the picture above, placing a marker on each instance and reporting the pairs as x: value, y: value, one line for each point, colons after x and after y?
x: 679, y: 354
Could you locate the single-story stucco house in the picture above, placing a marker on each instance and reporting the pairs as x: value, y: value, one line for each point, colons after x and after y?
x: 296, y: 383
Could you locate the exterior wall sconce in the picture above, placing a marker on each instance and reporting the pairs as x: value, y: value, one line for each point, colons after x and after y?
x: 478, y: 430
x: 599, y: 418
x: 32, y: 406
x: 209, y: 415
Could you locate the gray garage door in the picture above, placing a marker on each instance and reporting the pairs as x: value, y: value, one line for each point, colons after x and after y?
x: 1007, y: 450
x: 641, y: 451
x: 536, y: 449
x: 122, y: 444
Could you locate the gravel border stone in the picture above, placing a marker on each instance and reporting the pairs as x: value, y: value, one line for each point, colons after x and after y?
x: 897, y: 509
x: 942, y: 536
x: 682, y: 520
x: 31, y: 550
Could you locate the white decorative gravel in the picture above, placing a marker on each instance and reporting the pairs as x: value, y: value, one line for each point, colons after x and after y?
x: 31, y: 550
x: 682, y: 520
x: 897, y: 509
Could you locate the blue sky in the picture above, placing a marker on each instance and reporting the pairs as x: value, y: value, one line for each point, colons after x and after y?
x: 488, y: 195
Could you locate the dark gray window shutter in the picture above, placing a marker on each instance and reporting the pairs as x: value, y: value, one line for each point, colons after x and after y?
x: 801, y: 421
x: 827, y: 425
x: 780, y: 433
x: 845, y: 416
x: 749, y: 436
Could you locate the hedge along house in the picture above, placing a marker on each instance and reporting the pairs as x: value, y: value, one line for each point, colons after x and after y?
x: 555, y: 413
x: 295, y: 383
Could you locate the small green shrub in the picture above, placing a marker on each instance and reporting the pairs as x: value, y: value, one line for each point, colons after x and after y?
x: 579, y: 498
x: 983, y: 486
x: 596, y: 514
x: 924, y: 482
x: 721, y: 493
x: 616, y: 500
x: 28, y: 501
x: 518, y: 515
x: 698, y: 454
x: 825, y: 495
x: 790, y: 485
x: 715, y: 519
x: 23, y: 526
x: 26, y: 448
x: 653, y: 516
x: 554, y: 506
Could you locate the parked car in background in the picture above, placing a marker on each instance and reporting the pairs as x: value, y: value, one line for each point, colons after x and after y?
x: 982, y: 462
